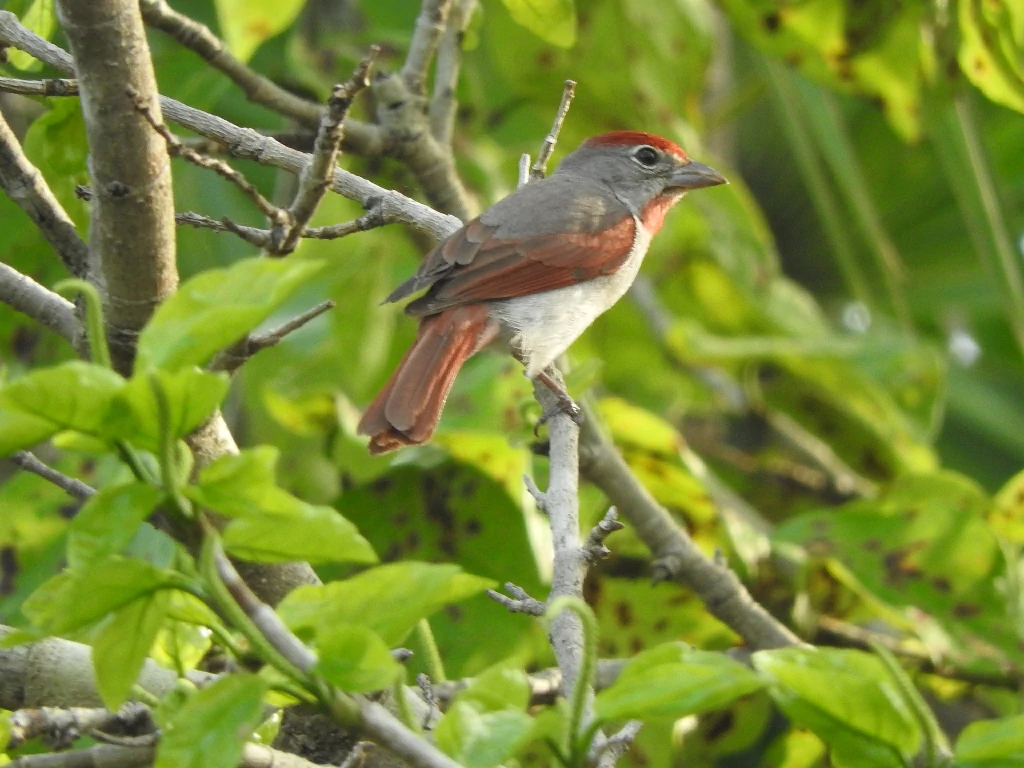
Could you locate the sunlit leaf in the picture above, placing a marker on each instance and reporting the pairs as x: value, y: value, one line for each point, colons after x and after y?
x: 673, y: 681
x: 389, y: 599
x: 216, y: 308
x: 554, y: 21
x: 355, y: 659
x: 107, y: 522
x: 122, y: 645
x: 210, y: 728
x: 248, y: 23
x: 847, y: 698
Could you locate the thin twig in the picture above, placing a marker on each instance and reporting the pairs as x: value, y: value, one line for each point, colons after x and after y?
x: 262, y: 238
x: 540, y: 167
x: 430, y: 25
x: 360, y: 138
x: 30, y: 463
x: 315, y: 178
x: 27, y: 188
x: 25, y: 295
x: 251, y: 145
x: 520, y: 602
x: 233, y: 358
x: 443, y: 106
x: 278, y: 216
x: 60, y: 727
x: 46, y: 87
x: 594, y: 548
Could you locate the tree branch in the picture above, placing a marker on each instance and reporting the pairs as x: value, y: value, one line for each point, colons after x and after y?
x: 430, y: 25
x: 251, y: 145
x: 443, y: 106
x: 676, y: 556
x: 45, y: 307
x: 74, y: 488
x: 60, y: 727
x: 46, y: 87
x: 25, y: 185
x: 316, y: 177
x: 128, y: 165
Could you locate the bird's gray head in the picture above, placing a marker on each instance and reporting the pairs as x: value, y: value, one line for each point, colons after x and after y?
x: 639, y: 165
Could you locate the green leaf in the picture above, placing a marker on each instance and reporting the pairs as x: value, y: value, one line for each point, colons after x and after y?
x: 273, y: 525
x: 480, y: 739
x: 41, y: 19
x: 356, y: 659
x: 847, y: 698
x: 389, y: 599
x: 74, y: 395
x: 20, y: 430
x: 926, y: 544
x: 498, y: 687
x: 245, y: 24
x: 1007, y: 514
x: 210, y: 729
x: 193, y: 395
x: 314, y: 534
x: 553, y: 21
x: 243, y: 484
x: 75, y: 599
x: 123, y: 643
x: 1001, y: 739
x: 107, y: 522
x: 217, y: 308
x: 989, y: 55
x: 673, y: 681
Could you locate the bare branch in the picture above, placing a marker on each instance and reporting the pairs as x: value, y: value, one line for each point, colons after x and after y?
x: 175, y: 148
x: 538, y: 495
x: 607, y: 751
x: 430, y: 25
x: 232, y: 359
x: 51, y: 87
x: 400, y: 112
x: 111, y: 756
x: 249, y: 144
x: 316, y: 177
x: 27, y: 188
x: 60, y: 727
x: 45, y: 307
x: 443, y: 106
x: 540, y: 167
x: 524, y: 170
x: 30, y: 463
x: 594, y: 548
x: 520, y: 602
x: 677, y: 557
x: 197, y: 37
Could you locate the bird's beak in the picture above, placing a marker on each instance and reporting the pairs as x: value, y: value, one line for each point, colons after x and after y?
x: 695, y: 175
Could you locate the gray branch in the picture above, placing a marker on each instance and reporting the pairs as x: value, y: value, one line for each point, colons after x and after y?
x: 28, y: 461
x: 128, y: 166
x: 25, y: 295
x: 443, y: 105
x: 430, y: 25
x: 27, y: 188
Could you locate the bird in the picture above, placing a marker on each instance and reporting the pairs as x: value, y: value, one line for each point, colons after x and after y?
x: 533, y: 271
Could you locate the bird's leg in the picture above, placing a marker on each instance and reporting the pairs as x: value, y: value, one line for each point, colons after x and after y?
x: 565, y: 403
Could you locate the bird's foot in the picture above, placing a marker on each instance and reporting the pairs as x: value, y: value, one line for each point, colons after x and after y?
x: 562, y: 399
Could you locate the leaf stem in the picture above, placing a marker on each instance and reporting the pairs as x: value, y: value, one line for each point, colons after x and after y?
x: 98, y: 348
x: 585, y: 680
x: 431, y: 653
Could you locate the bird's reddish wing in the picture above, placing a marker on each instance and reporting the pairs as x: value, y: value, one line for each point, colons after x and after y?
x: 472, y: 266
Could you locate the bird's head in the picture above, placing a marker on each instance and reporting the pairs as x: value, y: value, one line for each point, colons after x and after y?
x: 640, y: 167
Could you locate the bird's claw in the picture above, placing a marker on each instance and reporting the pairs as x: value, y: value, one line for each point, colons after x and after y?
x: 567, y: 406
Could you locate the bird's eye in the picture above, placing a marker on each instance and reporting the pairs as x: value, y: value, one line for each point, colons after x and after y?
x: 646, y: 156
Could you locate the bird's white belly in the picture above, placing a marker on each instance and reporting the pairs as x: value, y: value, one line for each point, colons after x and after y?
x: 541, y: 326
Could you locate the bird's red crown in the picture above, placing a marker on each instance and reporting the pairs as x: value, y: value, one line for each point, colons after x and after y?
x: 630, y: 138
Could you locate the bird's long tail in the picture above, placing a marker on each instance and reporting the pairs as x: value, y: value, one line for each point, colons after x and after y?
x: 407, y: 410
